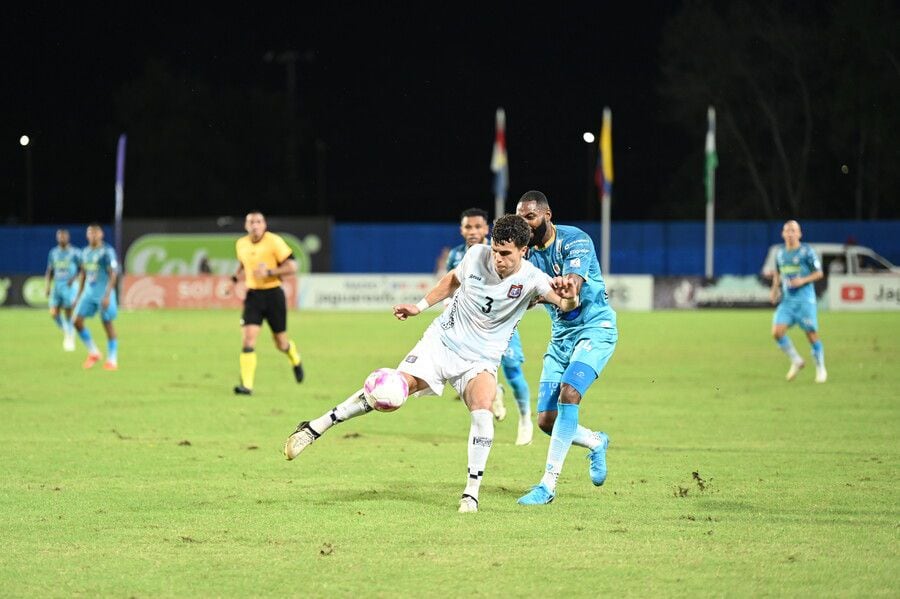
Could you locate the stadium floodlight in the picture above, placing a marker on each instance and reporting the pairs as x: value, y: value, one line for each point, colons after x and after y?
x: 24, y: 140
x: 588, y: 137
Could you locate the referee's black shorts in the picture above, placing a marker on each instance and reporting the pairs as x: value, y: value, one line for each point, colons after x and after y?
x: 266, y: 304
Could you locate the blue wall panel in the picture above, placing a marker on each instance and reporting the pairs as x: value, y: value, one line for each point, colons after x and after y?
x: 653, y: 247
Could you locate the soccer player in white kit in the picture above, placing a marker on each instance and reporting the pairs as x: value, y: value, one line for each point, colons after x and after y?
x: 491, y: 289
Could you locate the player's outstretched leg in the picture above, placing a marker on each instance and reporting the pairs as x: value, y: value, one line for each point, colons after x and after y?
x: 522, y: 393
x: 818, y: 353
x: 309, y: 431
x: 560, y: 441
x: 498, y: 408
x: 797, y: 363
x: 93, y: 353
x: 293, y: 356
x: 481, y: 438
x: 248, y: 371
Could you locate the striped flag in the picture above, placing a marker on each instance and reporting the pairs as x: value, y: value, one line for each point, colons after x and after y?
x: 603, y: 175
x: 499, y: 165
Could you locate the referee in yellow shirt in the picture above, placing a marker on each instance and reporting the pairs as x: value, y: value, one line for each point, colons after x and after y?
x: 264, y: 258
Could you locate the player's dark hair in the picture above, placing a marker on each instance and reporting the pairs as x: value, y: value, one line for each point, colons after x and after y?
x: 537, y: 197
x: 511, y: 227
x: 474, y: 212
x: 95, y: 225
x: 259, y: 212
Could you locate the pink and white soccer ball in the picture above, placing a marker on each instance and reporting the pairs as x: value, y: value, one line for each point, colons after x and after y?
x: 386, y: 390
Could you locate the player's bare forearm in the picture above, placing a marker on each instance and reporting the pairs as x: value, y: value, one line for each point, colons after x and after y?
x: 444, y: 289
x: 566, y: 304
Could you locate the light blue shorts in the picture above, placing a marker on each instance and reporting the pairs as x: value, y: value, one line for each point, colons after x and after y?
x: 802, y: 314
x: 88, y: 305
x: 513, y: 356
x: 592, y: 347
x: 62, y: 295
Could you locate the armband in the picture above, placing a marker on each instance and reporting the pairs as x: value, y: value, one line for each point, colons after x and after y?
x: 422, y: 305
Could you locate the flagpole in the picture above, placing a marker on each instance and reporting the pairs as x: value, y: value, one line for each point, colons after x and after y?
x: 710, y: 180
x: 606, y: 198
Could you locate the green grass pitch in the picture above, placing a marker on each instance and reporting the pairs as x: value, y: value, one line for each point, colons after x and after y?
x: 156, y: 481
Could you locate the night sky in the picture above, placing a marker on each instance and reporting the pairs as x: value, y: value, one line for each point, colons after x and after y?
x: 403, y: 99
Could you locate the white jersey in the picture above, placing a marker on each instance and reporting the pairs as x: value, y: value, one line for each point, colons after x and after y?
x: 485, y: 310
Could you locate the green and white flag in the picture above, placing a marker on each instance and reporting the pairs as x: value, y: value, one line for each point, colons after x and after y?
x: 709, y: 180
x: 712, y: 159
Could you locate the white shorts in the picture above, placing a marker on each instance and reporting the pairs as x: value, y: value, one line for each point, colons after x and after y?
x: 436, y: 364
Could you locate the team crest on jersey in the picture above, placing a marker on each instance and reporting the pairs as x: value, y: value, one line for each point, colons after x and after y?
x: 514, y: 291
x: 556, y: 269
x: 411, y: 358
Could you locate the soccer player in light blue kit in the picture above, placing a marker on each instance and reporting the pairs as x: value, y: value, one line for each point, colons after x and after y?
x: 99, y: 269
x: 581, y: 343
x: 474, y: 229
x: 62, y: 269
x: 797, y: 268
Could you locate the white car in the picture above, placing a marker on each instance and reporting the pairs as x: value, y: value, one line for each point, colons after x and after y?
x: 839, y: 259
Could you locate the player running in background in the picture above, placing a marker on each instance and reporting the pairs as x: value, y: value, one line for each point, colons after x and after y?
x: 474, y: 229
x: 581, y: 343
x: 491, y: 289
x: 99, y: 270
x: 63, y: 263
x: 264, y: 258
x: 797, y: 268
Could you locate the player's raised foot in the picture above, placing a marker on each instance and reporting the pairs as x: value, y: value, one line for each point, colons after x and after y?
x: 68, y: 343
x: 110, y: 365
x: 821, y: 374
x: 497, y: 407
x: 299, y: 440
x: 538, y: 495
x: 526, y: 431
x: 298, y: 372
x: 597, y: 458
x: 468, y: 504
x: 795, y: 368
x: 91, y: 360
x: 242, y: 390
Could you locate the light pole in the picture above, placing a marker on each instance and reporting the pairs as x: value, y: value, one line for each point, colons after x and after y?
x: 589, y: 139
x: 25, y: 142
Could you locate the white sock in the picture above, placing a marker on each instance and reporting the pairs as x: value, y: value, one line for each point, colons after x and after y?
x: 481, y: 437
x: 353, y: 406
x: 585, y: 437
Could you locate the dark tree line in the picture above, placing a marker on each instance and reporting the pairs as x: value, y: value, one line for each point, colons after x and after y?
x: 807, y: 99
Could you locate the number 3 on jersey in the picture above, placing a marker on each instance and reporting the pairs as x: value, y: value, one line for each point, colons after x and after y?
x: 487, y: 308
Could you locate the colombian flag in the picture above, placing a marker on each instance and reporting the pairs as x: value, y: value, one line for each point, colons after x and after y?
x: 603, y: 175
x: 499, y: 165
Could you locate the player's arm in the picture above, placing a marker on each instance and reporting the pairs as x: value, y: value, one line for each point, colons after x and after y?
x: 110, y: 285
x: 564, y: 292
x: 286, y: 267
x: 775, y: 292
x: 47, y: 276
x: 446, y: 287
x: 810, y: 278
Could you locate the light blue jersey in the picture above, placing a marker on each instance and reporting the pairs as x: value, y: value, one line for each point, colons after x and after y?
x: 96, y: 263
x: 514, y: 355
x: 800, y: 262
x: 455, y: 256
x: 798, y: 304
x: 582, y: 341
x: 63, y: 264
x: 572, y: 251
